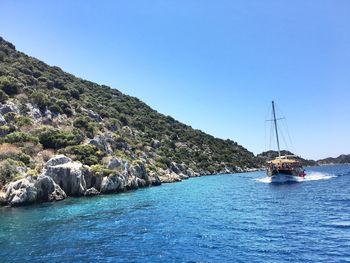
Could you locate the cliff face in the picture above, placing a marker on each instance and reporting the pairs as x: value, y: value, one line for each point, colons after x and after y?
x: 45, y: 112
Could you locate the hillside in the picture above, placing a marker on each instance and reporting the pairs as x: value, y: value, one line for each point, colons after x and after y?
x: 45, y: 111
x: 341, y: 159
x: 269, y: 155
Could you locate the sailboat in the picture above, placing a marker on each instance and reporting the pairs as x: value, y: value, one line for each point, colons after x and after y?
x: 283, y: 168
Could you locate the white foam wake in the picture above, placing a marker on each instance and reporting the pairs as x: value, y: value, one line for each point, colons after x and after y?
x: 315, y: 176
x: 310, y: 176
x: 265, y: 180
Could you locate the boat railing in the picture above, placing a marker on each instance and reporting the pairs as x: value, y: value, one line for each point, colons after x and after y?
x: 286, y: 156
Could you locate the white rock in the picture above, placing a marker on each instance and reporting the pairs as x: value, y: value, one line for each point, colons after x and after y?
x: 8, y: 107
x: 114, y: 163
x: 57, y: 160
x: 21, y: 192
x: 111, y: 183
x: 91, y: 192
x: 34, y: 112
x: 48, y: 190
x: 67, y: 174
x: 155, y: 143
x: 2, y: 120
x: 102, y: 142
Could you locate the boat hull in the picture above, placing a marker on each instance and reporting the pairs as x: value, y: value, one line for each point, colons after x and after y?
x: 282, y: 175
x: 283, y: 178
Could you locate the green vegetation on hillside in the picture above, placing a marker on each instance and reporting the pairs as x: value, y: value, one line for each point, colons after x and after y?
x: 61, y: 112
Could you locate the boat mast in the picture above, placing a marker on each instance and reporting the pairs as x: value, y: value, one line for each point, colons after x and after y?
x: 274, y: 120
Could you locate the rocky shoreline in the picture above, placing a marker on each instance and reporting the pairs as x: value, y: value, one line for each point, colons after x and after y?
x: 35, y: 174
x: 62, y: 177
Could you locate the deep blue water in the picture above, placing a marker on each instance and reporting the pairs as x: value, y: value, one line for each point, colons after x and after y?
x: 227, y: 218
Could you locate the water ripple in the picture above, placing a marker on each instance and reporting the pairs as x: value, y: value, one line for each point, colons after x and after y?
x: 228, y: 218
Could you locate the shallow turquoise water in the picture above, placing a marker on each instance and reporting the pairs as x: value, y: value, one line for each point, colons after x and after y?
x: 227, y: 218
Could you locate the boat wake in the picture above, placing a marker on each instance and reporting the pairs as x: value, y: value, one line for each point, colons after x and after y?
x: 310, y: 176
x: 315, y: 176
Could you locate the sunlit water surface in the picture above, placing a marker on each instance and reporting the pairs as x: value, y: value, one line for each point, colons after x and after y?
x: 227, y: 218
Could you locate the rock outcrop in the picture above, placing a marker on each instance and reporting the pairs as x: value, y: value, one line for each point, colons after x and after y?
x: 8, y: 107
x: 2, y: 120
x: 93, y: 115
x: 168, y: 176
x: 155, y: 143
x: 103, y: 143
x: 33, y: 112
x: 62, y: 177
x: 140, y: 172
x: 231, y: 170
x: 67, y: 174
x: 21, y: 192
x: 78, y: 180
x: 112, y: 183
x: 28, y: 190
x: 91, y: 192
x: 57, y: 160
x: 3, y: 200
x: 48, y: 190
x: 114, y: 163
x: 92, y: 180
x: 154, y: 179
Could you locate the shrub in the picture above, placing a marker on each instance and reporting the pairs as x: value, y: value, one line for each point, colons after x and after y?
x: 52, y: 138
x: 36, y: 74
x: 138, y: 125
x: 47, y: 154
x: 8, y: 171
x: 10, y: 116
x: 100, y: 170
x: 81, y: 122
x: 123, y: 155
x: 211, y: 169
x: 50, y: 84
x: 85, y: 123
x: 22, y: 121
x: 4, y: 130
x: 40, y: 99
x: 65, y: 106
x: 26, y: 71
x: 20, y: 137
x: 87, y: 154
x: 42, y: 79
x: 151, y: 168
x: 9, y: 85
x: 80, y: 89
x: 75, y: 94
x: 7, y: 150
x: 2, y: 55
x: 3, y: 96
x: 55, y: 108
x: 124, y: 120
x: 163, y: 160
x: 113, y: 124
x: 31, y: 148
x: 105, y: 113
x: 59, y: 84
x: 24, y: 158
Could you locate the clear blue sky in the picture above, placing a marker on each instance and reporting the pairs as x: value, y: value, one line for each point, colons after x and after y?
x: 214, y: 65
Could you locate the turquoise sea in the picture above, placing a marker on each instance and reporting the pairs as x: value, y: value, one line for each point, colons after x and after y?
x: 226, y: 218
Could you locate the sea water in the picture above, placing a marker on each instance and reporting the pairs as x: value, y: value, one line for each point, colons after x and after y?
x: 226, y: 218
